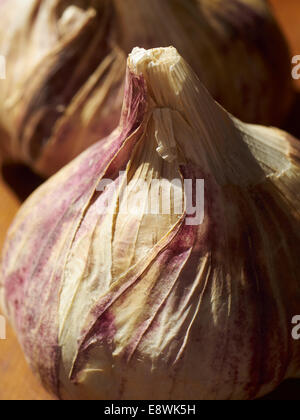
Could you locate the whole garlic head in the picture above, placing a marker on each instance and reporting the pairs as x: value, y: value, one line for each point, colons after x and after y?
x: 112, y: 301
x: 66, y: 62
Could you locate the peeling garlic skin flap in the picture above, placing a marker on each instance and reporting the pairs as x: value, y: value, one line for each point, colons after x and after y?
x: 144, y: 306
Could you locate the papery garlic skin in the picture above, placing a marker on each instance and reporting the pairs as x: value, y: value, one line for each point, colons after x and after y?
x: 63, y: 77
x: 139, y: 306
x: 66, y: 62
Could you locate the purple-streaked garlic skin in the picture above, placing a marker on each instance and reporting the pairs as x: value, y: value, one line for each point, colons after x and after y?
x: 34, y: 283
x: 196, y: 312
x: 66, y: 64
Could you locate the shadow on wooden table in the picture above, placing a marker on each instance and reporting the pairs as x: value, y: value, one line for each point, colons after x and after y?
x: 21, y: 180
x: 288, y: 391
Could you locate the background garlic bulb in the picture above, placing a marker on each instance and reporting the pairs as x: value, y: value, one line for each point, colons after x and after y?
x: 66, y: 62
x: 63, y: 78
x: 121, y: 304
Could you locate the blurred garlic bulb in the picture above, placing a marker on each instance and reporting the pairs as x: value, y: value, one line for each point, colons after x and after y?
x: 63, y: 80
x: 66, y: 63
x: 113, y: 301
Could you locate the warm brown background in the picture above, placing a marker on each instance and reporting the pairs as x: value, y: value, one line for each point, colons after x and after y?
x: 16, y: 380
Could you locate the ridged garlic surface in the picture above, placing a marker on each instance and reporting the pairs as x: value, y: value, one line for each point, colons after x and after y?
x: 66, y: 63
x: 131, y: 304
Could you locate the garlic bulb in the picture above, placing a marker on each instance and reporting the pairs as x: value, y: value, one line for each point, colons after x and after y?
x: 66, y: 63
x: 113, y: 301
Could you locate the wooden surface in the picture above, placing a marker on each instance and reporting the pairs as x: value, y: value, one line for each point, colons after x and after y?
x: 16, y: 380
